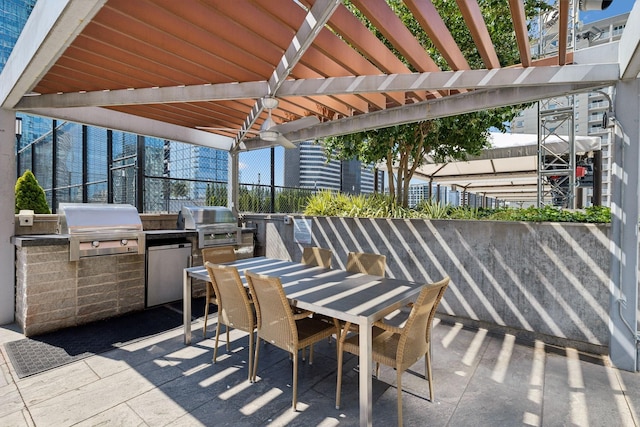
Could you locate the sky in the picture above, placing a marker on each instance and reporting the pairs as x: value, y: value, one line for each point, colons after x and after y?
x: 617, y: 7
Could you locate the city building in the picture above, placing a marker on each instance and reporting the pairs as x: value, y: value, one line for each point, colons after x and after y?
x: 308, y: 167
x: 589, y: 108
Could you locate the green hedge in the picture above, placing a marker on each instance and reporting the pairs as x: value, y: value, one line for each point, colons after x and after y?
x: 328, y: 203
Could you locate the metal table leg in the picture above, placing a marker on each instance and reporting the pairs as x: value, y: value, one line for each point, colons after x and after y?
x: 366, y: 367
x: 186, y: 306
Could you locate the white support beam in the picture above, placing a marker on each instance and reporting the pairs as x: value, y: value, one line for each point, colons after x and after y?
x: 442, y: 107
x: 606, y: 53
x: 531, y: 189
x: 313, y: 23
x: 102, y: 117
x: 52, y: 26
x: 477, y: 178
x: 629, y: 46
x: 603, y: 74
x: 147, y: 96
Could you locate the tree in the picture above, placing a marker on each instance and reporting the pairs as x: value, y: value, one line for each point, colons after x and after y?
x: 30, y: 195
x: 405, y: 147
x: 216, y: 195
x: 179, y: 189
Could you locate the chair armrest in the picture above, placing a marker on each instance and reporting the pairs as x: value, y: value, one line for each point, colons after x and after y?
x: 387, y: 327
x: 301, y: 314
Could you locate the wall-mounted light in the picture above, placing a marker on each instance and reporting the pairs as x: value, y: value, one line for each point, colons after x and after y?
x: 18, y: 128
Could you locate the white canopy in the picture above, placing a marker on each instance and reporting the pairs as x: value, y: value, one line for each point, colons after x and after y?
x: 508, y: 170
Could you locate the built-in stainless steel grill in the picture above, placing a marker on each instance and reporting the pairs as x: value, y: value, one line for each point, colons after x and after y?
x: 216, y: 225
x: 100, y: 229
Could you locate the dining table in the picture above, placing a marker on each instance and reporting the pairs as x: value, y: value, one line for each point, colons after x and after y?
x: 351, y: 297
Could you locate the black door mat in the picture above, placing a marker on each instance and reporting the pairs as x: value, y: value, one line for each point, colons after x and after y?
x: 40, y: 353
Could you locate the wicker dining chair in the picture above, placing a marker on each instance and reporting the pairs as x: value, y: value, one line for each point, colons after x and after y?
x: 235, y: 310
x: 215, y: 255
x: 400, y: 347
x: 312, y: 255
x: 276, y: 324
x: 361, y: 262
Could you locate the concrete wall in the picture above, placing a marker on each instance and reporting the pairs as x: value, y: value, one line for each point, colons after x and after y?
x: 539, y: 280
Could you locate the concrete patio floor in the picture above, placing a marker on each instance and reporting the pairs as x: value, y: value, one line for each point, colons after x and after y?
x: 480, y: 380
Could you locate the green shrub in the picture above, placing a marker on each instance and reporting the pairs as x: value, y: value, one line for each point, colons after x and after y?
x: 432, y: 210
x: 328, y: 203
x: 30, y: 195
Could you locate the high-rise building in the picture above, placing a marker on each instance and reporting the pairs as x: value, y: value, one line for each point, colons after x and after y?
x: 308, y: 167
x: 589, y: 107
x: 14, y: 15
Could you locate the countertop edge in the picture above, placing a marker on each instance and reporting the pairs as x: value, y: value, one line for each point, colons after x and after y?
x: 63, y: 239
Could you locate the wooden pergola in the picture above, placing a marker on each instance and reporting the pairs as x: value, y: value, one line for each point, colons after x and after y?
x: 203, y: 72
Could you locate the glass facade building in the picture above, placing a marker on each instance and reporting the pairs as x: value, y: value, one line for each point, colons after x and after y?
x: 14, y: 15
x: 308, y: 167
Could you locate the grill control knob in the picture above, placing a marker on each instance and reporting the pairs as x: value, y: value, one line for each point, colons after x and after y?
x: 95, y: 244
x: 124, y: 242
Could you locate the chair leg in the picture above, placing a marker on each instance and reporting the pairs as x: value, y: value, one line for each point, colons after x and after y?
x: 427, y: 367
x: 255, y: 359
x: 207, y: 301
x: 295, y: 381
x: 399, y: 396
x: 251, y: 356
x: 228, y: 343
x: 377, y: 370
x: 339, y: 382
x: 311, y: 354
x: 215, y: 346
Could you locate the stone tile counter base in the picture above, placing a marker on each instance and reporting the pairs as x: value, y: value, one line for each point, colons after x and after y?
x: 63, y: 293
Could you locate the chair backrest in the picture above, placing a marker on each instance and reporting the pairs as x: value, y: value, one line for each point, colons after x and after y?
x: 316, y: 256
x: 219, y: 254
x: 234, y: 307
x: 361, y: 262
x: 416, y: 334
x: 275, y: 318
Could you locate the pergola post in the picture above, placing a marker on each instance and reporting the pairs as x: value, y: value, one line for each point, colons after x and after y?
x: 623, y: 317
x: 233, y: 178
x: 7, y: 216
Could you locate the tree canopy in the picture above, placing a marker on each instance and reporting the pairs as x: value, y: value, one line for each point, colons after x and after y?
x: 403, y: 148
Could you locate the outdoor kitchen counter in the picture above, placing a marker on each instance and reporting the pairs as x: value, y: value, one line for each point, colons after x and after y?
x: 53, y: 292
x: 63, y: 239
x: 29, y: 240
x: 40, y: 240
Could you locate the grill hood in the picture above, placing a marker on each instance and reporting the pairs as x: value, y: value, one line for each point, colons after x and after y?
x: 216, y: 225
x: 100, y: 229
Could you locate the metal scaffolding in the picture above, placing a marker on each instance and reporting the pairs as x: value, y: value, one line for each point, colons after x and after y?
x: 557, y: 161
